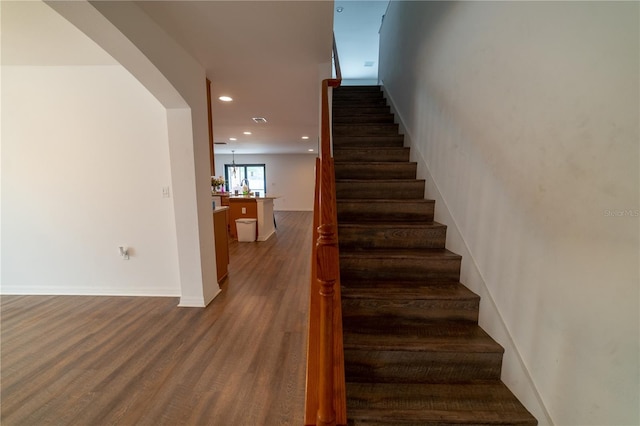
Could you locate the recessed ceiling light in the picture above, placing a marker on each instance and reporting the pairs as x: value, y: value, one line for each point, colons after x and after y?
x: 225, y: 98
x: 259, y: 120
x: 310, y: 150
x: 305, y: 137
x: 233, y: 139
x: 246, y: 133
x: 339, y: 9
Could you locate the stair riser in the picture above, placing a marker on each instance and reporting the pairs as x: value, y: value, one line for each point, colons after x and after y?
x: 404, y: 269
x: 391, y: 238
x: 388, y: 129
x: 380, y: 190
x: 390, y: 141
x: 409, y: 312
x: 357, y: 89
x: 347, y: 103
x: 357, y: 96
x: 340, y: 93
x: 371, y: 154
x: 373, y: 210
x: 365, y: 118
x: 368, y: 420
x: 363, y: 109
x: 376, y: 171
x: 414, y: 354
x: 419, y: 367
x: 369, y: 97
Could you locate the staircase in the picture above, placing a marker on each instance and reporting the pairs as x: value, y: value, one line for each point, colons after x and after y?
x: 414, y: 353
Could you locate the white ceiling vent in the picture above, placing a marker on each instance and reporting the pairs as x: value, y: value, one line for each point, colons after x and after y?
x: 219, y: 143
x: 368, y: 63
x: 259, y: 120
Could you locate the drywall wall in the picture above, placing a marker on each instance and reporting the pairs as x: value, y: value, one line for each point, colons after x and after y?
x: 291, y: 177
x: 177, y: 80
x: 523, y: 117
x: 85, y: 158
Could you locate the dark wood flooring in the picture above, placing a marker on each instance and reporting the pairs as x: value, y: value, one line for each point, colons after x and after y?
x: 76, y: 360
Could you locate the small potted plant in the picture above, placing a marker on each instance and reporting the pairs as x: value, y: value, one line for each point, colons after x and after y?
x: 217, y: 184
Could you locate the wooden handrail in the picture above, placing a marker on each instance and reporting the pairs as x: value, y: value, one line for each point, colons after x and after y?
x: 336, y: 61
x: 325, y: 401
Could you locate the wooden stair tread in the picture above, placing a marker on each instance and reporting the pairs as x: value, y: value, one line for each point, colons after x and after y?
x: 391, y: 235
x: 395, y: 154
x: 378, y: 181
x: 372, y: 163
x: 371, y: 148
x: 358, y: 148
x: 386, y: 224
x: 401, y: 253
x: 430, y: 336
x: 373, y: 117
x: 386, y: 200
x: 356, y: 140
x: 483, y: 402
x: 414, y: 352
x: 377, y: 108
x: 365, y: 125
x: 408, y: 290
x: 389, y: 209
x: 358, y: 88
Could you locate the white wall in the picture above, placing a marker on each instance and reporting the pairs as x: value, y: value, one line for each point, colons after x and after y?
x: 289, y: 176
x: 523, y: 117
x: 177, y: 80
x: 85, y: 158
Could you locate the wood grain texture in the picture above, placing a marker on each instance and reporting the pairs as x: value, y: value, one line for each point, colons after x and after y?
x: 371, y: 154
x: 389, y: 209
x: 80, y: 360
x: 221, y: 237
x: 376, y: 170
x: 326, y: 354
x: 414, y: 353
x: 392, y: 235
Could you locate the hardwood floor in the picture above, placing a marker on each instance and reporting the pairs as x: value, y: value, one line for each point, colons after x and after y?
x: 76, y: 360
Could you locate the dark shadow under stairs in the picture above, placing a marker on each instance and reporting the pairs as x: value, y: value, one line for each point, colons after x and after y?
x: 414, y: 353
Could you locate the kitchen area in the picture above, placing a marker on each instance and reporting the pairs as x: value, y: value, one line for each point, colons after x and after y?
x: 246, y: 209
x: 239, y: 212
x: 278, y: 183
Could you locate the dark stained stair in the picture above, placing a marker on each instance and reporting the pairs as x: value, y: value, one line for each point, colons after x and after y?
x: 414, y: 353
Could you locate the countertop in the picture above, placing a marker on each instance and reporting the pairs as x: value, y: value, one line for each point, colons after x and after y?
x: 251, y: 197
x: 220, y: 209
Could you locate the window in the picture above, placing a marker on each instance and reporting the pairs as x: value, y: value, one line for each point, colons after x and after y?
x: 255, y: 173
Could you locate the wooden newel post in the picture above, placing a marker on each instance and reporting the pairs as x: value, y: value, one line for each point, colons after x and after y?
x: 327, y: 257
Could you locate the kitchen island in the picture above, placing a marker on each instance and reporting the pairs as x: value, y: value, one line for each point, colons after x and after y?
x: 251, y: 207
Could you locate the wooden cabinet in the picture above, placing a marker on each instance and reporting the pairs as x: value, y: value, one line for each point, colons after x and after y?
x: 241, y: 208
x: 221, y: 236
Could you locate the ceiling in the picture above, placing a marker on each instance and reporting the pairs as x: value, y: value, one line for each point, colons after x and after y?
x: 356, y: 30
x: 268, y: 56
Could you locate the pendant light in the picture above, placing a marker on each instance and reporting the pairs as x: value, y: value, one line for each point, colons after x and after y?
x: 233, y: 162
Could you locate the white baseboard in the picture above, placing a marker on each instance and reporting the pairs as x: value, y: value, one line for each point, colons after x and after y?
x: 61, y: 291
x: 193, y: 302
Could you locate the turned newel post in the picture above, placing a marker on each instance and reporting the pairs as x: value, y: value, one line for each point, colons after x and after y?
x: 325, y: 395
x: 327, y: 256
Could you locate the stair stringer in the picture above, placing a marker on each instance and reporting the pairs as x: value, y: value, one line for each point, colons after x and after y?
x: 515, y: 373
